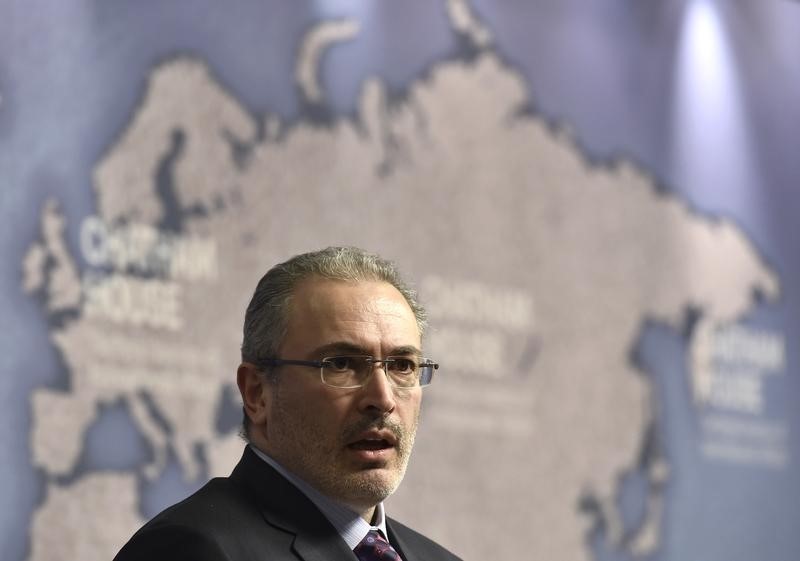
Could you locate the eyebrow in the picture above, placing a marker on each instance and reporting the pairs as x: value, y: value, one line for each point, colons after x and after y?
x: 340, y: 347
x: 406, y: 350
x: 350, y: 348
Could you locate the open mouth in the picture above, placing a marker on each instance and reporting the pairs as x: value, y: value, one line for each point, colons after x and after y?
x: 371, y: 444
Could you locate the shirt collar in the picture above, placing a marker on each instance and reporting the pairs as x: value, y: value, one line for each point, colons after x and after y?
x: 348, y: 523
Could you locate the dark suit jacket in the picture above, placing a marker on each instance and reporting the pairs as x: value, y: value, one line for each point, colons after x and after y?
x: 256, y: 514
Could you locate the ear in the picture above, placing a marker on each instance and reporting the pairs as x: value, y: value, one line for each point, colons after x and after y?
x: 256, y: 392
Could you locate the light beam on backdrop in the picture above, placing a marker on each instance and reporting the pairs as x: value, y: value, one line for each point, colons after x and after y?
x: 710, y: 137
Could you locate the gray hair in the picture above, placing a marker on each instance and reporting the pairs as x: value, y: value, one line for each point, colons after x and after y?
x: 265, y: 321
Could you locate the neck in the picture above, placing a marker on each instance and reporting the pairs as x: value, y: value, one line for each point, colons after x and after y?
x: 368, y: 515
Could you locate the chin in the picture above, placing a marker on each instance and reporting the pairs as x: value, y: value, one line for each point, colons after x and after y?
x: 371, y: 487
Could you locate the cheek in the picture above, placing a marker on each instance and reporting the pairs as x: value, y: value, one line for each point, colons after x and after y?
x: 328, y: 415
x: 409, y: 408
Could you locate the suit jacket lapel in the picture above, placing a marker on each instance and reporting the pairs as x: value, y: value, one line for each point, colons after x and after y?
x: 405, y: 551
x: 323, y: 548
x: 284, y: 506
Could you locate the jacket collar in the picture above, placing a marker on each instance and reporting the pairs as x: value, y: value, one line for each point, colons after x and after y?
x: 405, y: 551
x: 285, y: 507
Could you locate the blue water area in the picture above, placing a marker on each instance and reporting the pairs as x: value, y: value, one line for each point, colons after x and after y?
x: 632, y: 499
x: 659, y: 354
x: 28, y: 361
x: 113, y: 442
x: 229, y: 410
x: 713, y: 510
x: 168, y: 488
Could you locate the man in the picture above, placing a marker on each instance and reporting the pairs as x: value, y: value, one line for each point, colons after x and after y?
x: 331, y: 382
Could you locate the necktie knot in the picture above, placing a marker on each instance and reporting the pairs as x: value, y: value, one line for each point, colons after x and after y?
x: 375, y: 548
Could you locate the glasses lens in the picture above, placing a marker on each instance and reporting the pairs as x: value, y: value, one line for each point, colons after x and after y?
x: 426, y: 369
x: 344, y: 371
x: 403, y: 370
x: 353, y: 371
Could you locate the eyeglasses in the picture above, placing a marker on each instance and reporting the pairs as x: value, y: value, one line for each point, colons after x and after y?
x: 354, y: 371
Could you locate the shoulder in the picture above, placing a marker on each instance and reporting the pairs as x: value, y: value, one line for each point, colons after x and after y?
x: 173, y: 542
x: 217, y: 523
x: 214, y: 505
x: 412, y: 541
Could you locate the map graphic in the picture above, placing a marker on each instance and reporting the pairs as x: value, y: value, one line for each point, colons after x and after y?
x: 543, y: 272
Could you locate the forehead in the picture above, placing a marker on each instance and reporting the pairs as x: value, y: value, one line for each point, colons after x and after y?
x: 366, y: 313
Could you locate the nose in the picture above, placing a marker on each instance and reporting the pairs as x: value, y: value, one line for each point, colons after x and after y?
x: 377, y: 394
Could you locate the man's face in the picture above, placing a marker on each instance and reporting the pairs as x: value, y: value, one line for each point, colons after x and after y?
x: 351, y: 444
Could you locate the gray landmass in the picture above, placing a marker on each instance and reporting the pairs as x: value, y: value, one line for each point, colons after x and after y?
x: 64, y: 528
x: 48, y: 266
x: 314, y: 45
x: 463, y: 187
x: 464, y: 21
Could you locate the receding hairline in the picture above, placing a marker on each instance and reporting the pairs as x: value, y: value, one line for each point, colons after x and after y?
x: 317, y: 278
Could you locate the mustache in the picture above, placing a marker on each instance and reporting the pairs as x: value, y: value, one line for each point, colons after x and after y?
x: 375, y: 423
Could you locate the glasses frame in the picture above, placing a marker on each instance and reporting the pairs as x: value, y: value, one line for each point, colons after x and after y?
x: 320, y: 364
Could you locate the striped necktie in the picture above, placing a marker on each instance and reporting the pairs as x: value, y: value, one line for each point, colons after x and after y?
x: 375, y: 548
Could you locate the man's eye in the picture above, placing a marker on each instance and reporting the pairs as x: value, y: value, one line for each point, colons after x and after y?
x: 404, y: 365
x: 339, y: 363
